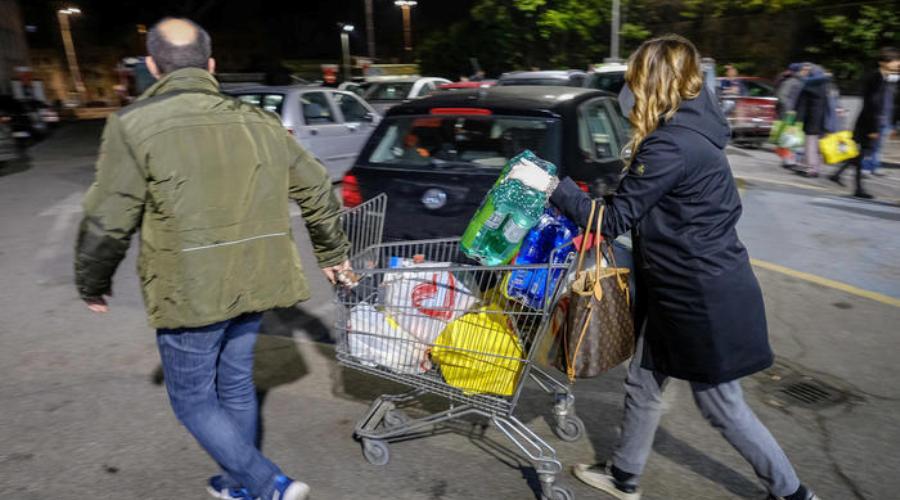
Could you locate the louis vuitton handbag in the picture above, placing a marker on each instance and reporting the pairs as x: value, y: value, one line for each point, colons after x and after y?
x: 598, y: 331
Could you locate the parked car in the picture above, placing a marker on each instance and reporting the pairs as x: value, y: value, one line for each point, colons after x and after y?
x: 25, y: 122
x: 357, y: 87
x: 384, y: 94
x: 750, y: 109
x: 608, y: 76
x: 483, y: 84
x: 332, y: 124
x: 8, y: 149
x: 437, y: 157
x: 556, y: 78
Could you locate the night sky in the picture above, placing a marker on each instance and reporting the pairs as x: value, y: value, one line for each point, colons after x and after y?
x: 270, y: 29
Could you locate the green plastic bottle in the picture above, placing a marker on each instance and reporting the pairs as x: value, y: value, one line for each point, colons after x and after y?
x: 506, y: 214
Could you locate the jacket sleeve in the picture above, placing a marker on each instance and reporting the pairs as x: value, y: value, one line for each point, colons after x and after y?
x: 311, y: 188
x: 656, y: 170
x: 113, y: 208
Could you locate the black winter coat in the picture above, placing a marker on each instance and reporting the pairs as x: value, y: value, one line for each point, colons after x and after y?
x: 812, y: 107
x: 699, y: 302
x: 869, y: 120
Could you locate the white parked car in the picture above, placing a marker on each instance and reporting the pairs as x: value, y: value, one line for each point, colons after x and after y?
x: 332, y: 124
x: 386, y: 93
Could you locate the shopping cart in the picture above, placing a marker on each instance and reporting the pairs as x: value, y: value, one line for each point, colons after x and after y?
x: 406, y: 359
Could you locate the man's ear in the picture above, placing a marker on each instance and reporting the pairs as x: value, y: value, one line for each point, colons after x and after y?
x: 152, y: 67
x: 211, y: 65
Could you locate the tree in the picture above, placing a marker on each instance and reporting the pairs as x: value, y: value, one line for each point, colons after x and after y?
x: 850, y: 42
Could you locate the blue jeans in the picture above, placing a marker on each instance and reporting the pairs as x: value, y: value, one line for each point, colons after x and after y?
x: 209, y: 378
x: 873, y: 161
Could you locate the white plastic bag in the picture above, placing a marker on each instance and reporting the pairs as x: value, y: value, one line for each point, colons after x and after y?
x: 423, y: 302
x: 376, y: 340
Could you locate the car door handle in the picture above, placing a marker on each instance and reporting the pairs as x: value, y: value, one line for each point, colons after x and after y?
x: 353, y: 127
x: 313, y: 131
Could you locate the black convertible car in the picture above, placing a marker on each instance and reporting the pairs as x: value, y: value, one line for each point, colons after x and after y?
x: 437, y: 157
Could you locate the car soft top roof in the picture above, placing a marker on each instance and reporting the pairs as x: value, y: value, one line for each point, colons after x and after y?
x: 520, y: 100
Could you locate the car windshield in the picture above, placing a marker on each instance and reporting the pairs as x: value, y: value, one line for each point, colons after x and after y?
x: 269, y: 102
x: 463, y: 141
x: 389, y: 91
x: 611, y: 82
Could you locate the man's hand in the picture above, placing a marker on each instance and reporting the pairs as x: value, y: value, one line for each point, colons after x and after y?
x: 332, y: 272
x: 97, y: 305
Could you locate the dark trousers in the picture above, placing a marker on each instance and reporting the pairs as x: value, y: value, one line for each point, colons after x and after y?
x: 856, y: 163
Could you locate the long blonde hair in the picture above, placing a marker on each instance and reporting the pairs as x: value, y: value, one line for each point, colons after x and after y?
x: 661, y: 73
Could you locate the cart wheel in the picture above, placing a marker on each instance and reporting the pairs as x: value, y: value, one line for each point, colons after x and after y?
x: 570, y: 429
x: 560, y: 493
x: 395, y: 418
x: 376, y: 451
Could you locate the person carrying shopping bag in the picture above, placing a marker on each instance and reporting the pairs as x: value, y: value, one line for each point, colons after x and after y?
x: 700, y: 312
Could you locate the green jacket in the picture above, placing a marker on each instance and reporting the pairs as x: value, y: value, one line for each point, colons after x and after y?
x: 207, y: 179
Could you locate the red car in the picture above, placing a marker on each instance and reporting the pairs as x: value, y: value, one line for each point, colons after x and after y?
x: 467, y: 85
x: 749, y: 104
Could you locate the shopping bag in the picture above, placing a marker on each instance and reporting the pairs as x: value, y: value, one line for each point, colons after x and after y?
x: 377, y: 340
x: 792, y: 136
x: 598, y: 333
x: 778, y: 127
x: 424, y: 302
x: 838, y: 147
x: 480, y: 353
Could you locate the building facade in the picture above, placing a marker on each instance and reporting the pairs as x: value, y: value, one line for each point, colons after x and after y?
x: 13, y: 46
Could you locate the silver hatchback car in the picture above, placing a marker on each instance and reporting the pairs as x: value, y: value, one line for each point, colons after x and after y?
x: 331, y: 124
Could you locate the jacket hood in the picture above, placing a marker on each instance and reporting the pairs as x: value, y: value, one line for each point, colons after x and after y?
x: 183, y: 79
x: 704, y: 116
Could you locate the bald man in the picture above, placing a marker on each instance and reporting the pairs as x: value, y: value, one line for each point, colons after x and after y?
x: 208, y: 180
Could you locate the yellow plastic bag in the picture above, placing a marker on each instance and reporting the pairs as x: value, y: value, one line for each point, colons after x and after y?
x: 480, y: 353
x: 838, y: 147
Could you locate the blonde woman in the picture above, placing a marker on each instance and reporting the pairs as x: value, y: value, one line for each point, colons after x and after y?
x: 700, y: 309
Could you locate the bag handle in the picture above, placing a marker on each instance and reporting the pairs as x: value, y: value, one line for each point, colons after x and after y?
x: 622, y: 282
x: 584, y: 239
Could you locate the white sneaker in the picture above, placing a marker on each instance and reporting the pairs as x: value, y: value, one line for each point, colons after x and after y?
x: 288, y: 489
x: 599, y: 476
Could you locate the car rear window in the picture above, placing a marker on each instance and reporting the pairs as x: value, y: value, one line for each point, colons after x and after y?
x: 389, y: 91
x: 612, y: 81
x: 462, y: 141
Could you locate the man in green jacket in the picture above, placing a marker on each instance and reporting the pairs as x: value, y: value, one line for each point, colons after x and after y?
x: 207, y: 179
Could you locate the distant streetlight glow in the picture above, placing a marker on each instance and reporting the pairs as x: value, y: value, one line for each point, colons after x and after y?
x: 348, y: 28
x: 66, y: 32
x: 405, y: 5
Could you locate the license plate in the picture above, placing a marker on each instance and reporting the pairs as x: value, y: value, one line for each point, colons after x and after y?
x: 21, y: 135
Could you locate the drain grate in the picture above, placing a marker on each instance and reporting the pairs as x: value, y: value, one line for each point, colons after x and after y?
x: 808, y: 393
x: 784, y: 386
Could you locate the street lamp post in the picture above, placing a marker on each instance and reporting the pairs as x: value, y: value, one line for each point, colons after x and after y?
x: 346, y: 29
x: 370, y: 29
x: 405, y: 6
x: 65, y: 30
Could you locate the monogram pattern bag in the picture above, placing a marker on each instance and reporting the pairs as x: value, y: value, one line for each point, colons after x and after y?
x: 598, y: 333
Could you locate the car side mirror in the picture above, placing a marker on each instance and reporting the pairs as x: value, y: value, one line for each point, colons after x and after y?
x: 369, y: 117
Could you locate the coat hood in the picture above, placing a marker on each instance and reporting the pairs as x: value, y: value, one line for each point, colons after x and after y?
x: 704, y: 116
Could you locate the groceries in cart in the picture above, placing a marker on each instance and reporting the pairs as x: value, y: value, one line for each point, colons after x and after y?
x: 423, y: 302
x: 480, y: 353
x: 378, y: 340
x: 550, y: 240
x: 511, y: 208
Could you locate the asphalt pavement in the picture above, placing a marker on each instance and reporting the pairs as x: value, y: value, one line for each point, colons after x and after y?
x: 84, y: 414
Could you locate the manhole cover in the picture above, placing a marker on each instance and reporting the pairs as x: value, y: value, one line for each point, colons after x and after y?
x: 784, y: 386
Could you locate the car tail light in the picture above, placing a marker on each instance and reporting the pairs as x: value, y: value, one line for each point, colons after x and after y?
x: 350, y: 191
x: 289, y: 130
x: 583, y: 186
x: 461, y: 111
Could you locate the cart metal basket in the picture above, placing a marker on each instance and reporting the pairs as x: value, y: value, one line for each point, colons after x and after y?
x: 452, y: 333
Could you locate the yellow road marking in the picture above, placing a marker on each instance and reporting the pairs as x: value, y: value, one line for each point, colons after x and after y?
x: 783, y: 183
x: 819, y: 280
